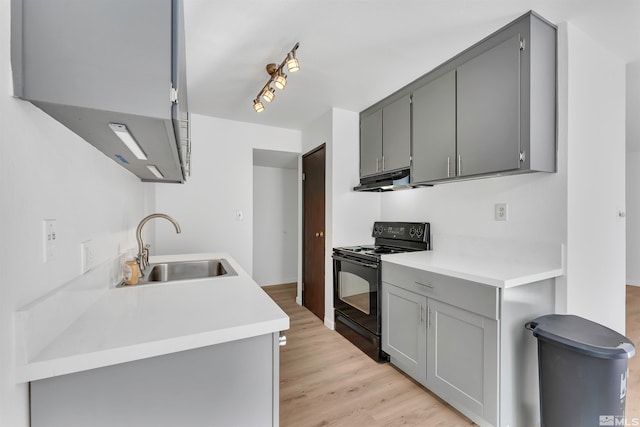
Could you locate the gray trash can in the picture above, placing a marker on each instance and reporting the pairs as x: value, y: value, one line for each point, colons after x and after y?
x: 582, y: 368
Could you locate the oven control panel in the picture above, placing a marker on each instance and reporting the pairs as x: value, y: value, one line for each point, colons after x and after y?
x: 413, y: 231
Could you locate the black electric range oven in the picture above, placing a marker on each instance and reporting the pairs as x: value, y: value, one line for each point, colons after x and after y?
x: 357, y: 281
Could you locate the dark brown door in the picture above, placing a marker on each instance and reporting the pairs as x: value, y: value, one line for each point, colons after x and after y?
x: 313, y: 191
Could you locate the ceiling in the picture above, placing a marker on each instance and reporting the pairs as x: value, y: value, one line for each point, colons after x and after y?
x: 355, y: 52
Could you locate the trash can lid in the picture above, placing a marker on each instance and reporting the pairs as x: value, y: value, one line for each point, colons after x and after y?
x: 582, y: 335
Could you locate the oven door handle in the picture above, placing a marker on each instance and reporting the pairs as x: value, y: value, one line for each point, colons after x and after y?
x: 353, y: 261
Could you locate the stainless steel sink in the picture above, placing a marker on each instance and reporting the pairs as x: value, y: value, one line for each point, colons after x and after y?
x: 186, y: 270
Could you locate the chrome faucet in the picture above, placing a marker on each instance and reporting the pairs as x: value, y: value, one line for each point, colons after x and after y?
x: 143, y: 250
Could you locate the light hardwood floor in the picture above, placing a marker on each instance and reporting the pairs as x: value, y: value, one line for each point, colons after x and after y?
x: 633, y: 333
x: 326, y: 381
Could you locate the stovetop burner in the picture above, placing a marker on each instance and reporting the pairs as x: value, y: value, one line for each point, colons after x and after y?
x: 374, y: 250
x: 392, y: 238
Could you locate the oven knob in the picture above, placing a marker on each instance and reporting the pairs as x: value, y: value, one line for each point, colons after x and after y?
x: 412, y: 231
x: 419, y: 231
x: 379, y: 230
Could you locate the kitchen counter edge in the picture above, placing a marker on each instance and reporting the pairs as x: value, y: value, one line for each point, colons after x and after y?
x: 70, y: 360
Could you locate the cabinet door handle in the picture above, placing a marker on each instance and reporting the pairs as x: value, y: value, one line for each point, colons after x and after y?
x: 428, y: 317
x: 428, y: 285
x: 448, y: 167
x: 383, y: 163
x: 377, y: 164
x: 421, y: 314
x: 459, y: 164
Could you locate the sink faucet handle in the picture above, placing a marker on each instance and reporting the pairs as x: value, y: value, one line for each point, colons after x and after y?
x: 145, y: 255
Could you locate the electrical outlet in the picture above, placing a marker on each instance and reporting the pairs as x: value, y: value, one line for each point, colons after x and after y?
x: 87, y: 256
x: 50, y: 240
x: 501, y: 213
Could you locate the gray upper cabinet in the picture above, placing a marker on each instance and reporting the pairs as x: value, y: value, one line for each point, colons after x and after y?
x: 89, y: 64
x: 396, y: 135
x: 371, y: 144
x: 434, y: 130
x: 385, y: 138
x: 488, y: 106
x: 489, y: 110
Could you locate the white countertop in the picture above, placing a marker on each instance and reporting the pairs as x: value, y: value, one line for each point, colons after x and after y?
x: 136, y: 322
x: 487, y: 269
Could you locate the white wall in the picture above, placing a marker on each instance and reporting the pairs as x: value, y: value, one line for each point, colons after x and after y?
x: 48, y: 172
x: 596, y: 182
x: 348, y: 215
x: 633, y: 173
x: 275, y: 225
x: 221, y: 184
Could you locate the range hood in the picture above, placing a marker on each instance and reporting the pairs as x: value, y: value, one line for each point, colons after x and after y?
x: 393, y: 181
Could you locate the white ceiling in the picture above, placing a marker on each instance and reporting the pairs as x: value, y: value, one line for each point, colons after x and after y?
x: 355, y: 52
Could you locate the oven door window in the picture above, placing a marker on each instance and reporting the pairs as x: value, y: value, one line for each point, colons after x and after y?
x: 354, y: 290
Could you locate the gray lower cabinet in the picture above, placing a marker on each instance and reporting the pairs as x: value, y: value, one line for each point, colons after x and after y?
x: 404, y: 333
x: 462, y: 359
x: 230, y: 384
x: 471, y: 349
x: 443, y: 332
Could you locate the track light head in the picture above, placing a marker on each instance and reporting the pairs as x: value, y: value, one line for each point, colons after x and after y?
x: 269, y: 94
x: 257, y: 105
x: 292, y: 62
x: 280, y: 82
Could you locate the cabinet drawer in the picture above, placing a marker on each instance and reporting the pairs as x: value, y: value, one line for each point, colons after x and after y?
x: 475, y: 297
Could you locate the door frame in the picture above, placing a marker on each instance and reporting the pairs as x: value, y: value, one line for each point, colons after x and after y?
x: 302, y: 223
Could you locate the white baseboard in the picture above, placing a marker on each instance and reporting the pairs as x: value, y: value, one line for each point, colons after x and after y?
x: 298, y: 300
x: 633, y: 282
x: 329, y: 323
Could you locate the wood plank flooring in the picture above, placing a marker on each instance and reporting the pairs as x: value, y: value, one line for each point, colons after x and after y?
x: 633, y: 333
x: 326, y: 381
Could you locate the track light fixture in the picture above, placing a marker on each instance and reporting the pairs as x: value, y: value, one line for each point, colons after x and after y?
x: 278, y: 78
